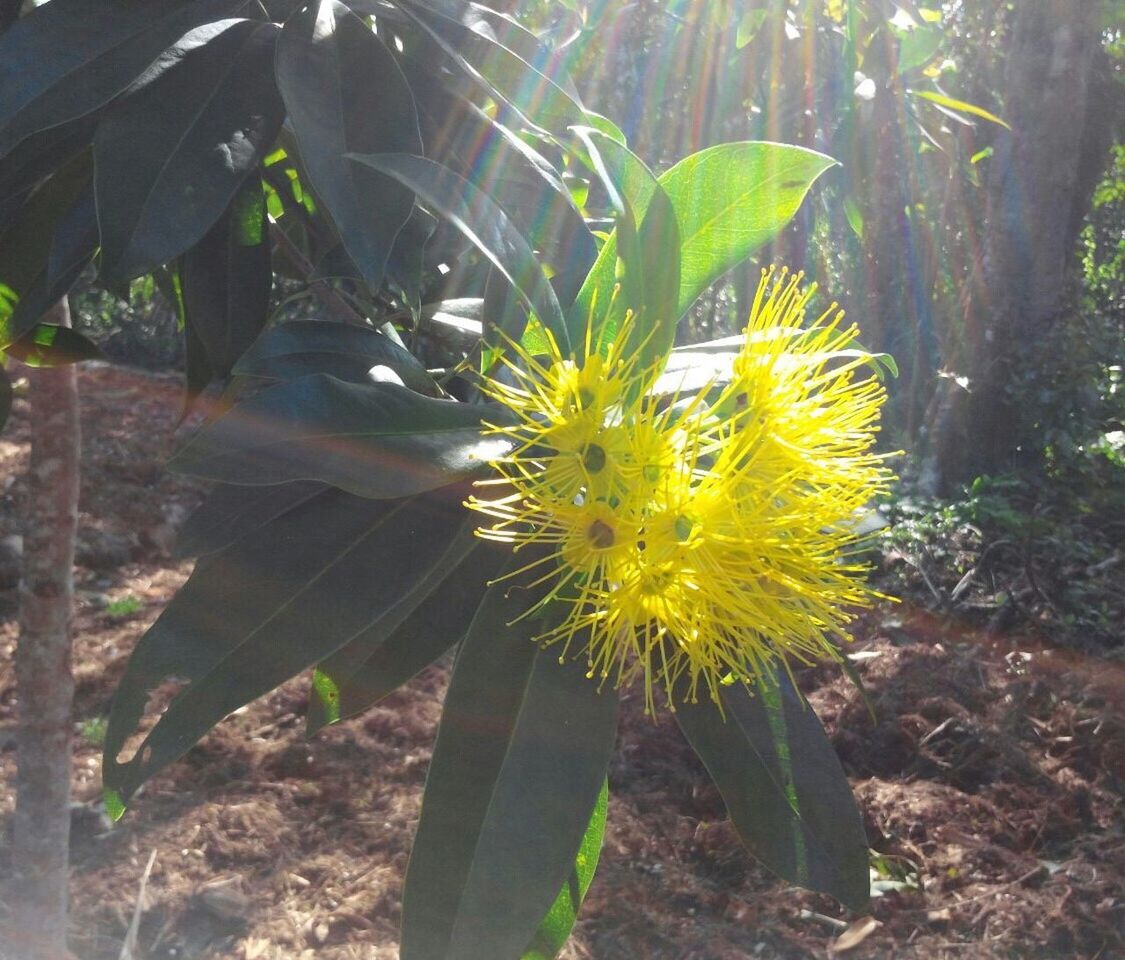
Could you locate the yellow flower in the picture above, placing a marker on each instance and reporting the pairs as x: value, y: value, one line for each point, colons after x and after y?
x: 698, y: 539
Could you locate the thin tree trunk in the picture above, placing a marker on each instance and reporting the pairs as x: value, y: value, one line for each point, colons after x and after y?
x: 44, y: 682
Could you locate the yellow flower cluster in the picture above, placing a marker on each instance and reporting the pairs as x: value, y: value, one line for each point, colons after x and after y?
x: 693, y: 536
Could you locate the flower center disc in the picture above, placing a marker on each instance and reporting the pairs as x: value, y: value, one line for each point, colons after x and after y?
x: 601, y: 535
x: 593, y: 457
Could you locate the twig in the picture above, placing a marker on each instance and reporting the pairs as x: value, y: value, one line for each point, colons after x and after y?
x: 979, y: 567
x: 321, y: 289
x: 917, y: 565
x: 937, y: 731
x: 129, y: 947
x: 827, y: 921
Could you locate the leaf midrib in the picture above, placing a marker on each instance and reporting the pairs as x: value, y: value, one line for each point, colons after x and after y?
x: 814, y: 835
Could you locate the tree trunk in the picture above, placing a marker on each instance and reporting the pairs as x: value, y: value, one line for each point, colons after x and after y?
x: 44, y: 683
x: 1038, y: 194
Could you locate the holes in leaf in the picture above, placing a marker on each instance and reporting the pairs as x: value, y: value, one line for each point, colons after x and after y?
x: 159, y: 700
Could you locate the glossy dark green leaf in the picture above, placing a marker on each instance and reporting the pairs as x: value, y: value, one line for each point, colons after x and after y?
x: 514, y: 36
x: 408, y: 263
x: 5, y: 397
x: 347, y: 351
x: 519, y: 761
x: 263, y: 610
x: 514, y: 174
x: 456, y: 324
x: 226, y: 280
x: 346, y: 94
x: 373, y: 439
x: 783, y: 786
x: 484, y: 224
x: 500, y: 71
x: 373, y: 664
x: 553, y: 932
x: 75, y: 242
x: 73, y: 246
x: 170, y: 157
x: 67, y: 58
x: 26, y: 241
x: 230, y: 513
x: 40, y: 155
x: 49, y: 345
x: 197, y: 371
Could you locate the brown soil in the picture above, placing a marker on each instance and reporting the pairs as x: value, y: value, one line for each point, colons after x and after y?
x: 990, y: 781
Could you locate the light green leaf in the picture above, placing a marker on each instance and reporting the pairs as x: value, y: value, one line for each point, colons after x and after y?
x: 918, y: 46
x: 560, y: 919
x: 959, y: 106
x: 749, y: 26
x: 728, y: 200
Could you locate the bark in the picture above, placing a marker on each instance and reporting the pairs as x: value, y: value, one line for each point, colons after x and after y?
x: 1037, y: 197
x: 44, y: 682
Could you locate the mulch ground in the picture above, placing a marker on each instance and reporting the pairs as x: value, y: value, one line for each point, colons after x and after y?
x: 990, y: 779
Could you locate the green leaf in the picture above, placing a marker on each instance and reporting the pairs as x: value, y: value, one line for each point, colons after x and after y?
x: 73, y: 246
x: 647, y: 268
x: 26, y: 242
x: 518, y: 765
x: 48, y: 345
x: 627, y: 180
x: 373, y: 664
x: 957, y: 106
x: 171, y: 157
x: 732, y: 199
x: 37, y: 157
x: 261, y: 611
x: 854, y: 216
x: 556, y: 926
x: 918, y: 46
x: 484, y: 224
x: 517, y: 177
x: 346, y: 94
x: 749, y: 26
x: 226, y: 280
x: 347, y: 351
x: 229, y: 513
x: 374, y: 439
x: 728, y: 200
x: 66, y: 59
x: 783, y: 786
x: 658, y: 310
